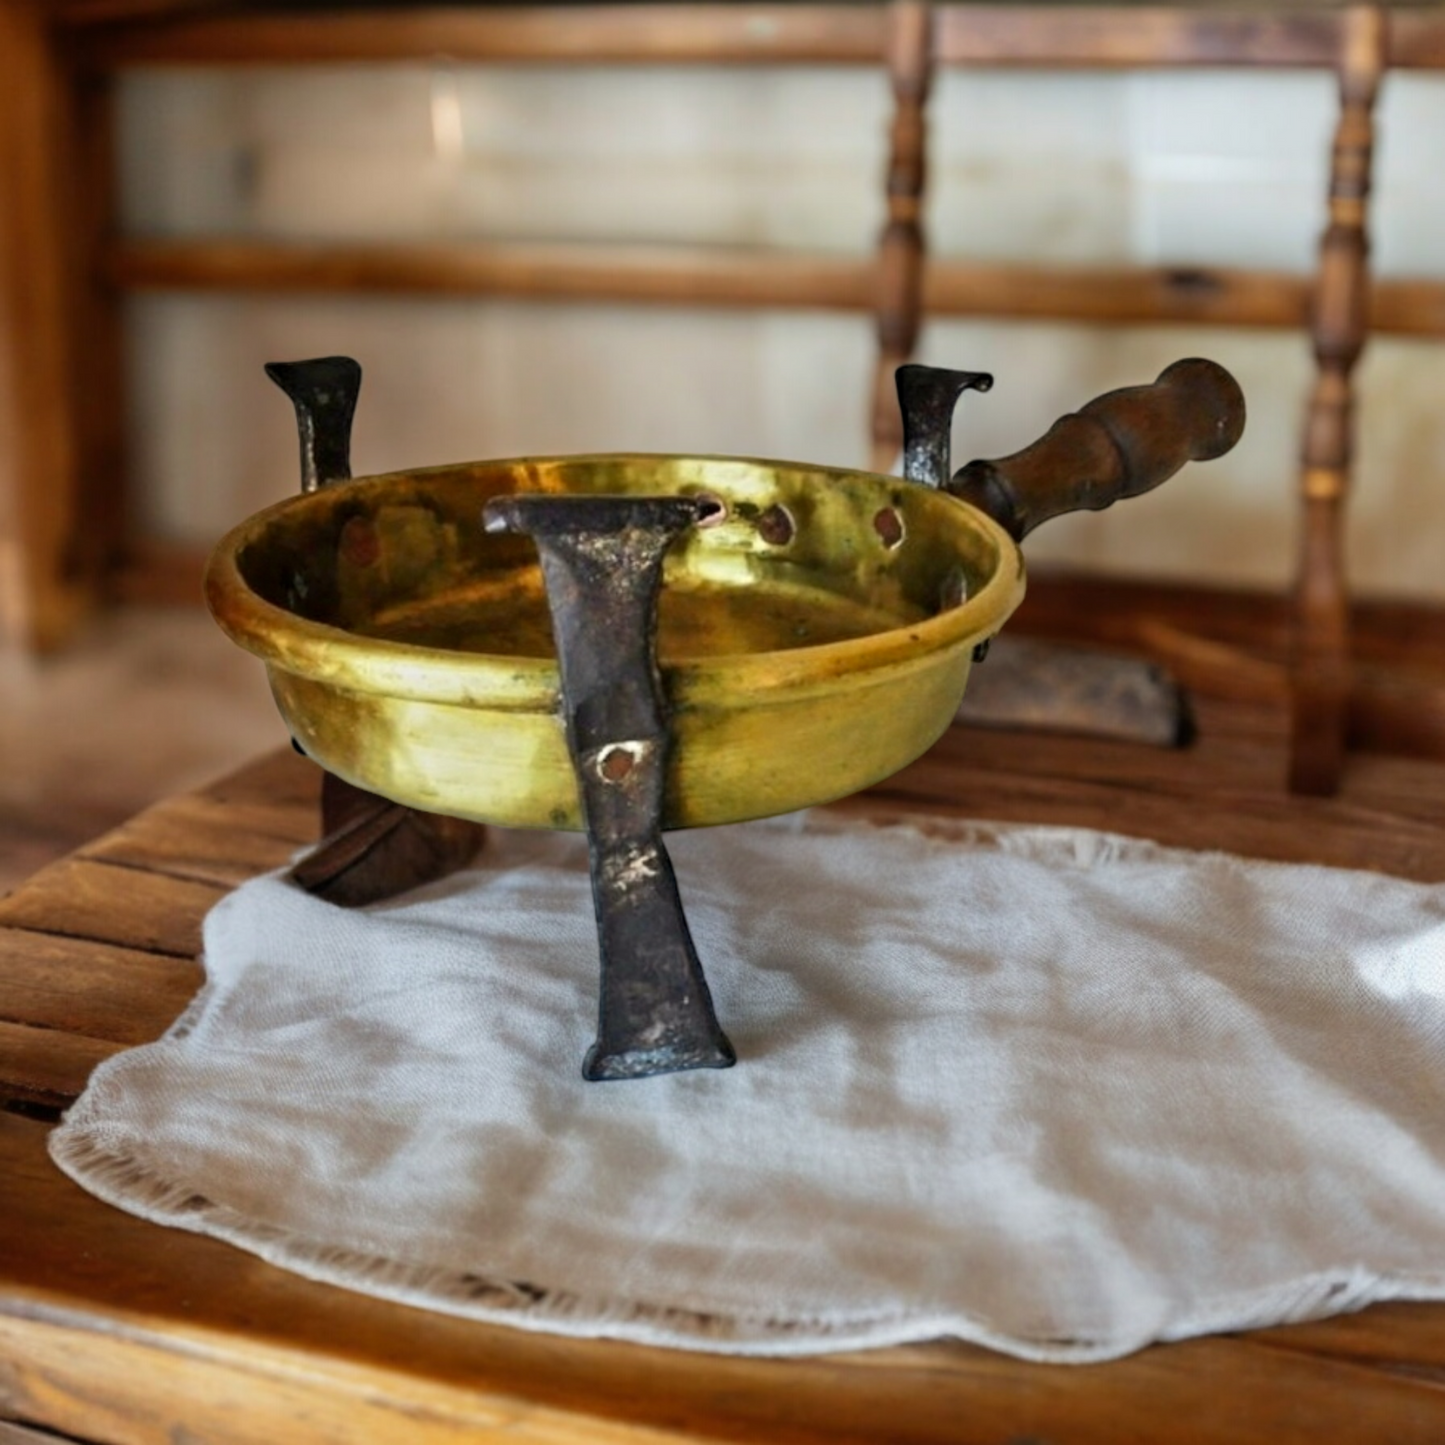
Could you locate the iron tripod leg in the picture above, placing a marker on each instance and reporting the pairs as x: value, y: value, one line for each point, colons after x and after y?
x: 370, y: 848
x: 602, y: 565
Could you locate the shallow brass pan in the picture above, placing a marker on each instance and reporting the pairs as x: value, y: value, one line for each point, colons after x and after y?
x: 814, y: 638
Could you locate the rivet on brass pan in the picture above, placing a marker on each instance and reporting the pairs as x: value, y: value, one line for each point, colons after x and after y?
x: 614, y: 763
x: 776, y: 525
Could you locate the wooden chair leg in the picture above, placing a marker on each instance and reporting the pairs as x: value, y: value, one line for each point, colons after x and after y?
x: 1038, y: 687
x: 40, y: 594
x: 1320, y: 668
x: 900, y: 250
x: 98, y: 320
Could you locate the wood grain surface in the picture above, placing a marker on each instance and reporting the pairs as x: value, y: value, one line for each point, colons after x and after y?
x: 118, y: 1331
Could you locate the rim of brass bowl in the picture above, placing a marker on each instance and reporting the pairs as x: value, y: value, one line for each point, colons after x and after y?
x: 504, y: 682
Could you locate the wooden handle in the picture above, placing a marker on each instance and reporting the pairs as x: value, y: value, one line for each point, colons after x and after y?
x: 1119, y: 445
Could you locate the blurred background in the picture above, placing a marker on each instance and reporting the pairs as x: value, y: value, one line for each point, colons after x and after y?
x: 1210, y: 168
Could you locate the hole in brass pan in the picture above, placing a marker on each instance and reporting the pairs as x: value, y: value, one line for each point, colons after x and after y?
x: 889, y: 527
x: 711, y: 509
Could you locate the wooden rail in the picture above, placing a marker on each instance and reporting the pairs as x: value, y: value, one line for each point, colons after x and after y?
x: 726, y: 276
x: 704, y: 275
x: 1062, y: 37
x: 590, y: 35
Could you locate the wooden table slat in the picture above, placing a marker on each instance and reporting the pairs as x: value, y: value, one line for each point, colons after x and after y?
x: 118, y: 995
x: 198, y: 839
x: 47, y: 1066
x: 78, y: 898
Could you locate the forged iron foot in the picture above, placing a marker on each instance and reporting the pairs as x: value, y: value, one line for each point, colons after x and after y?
x: 655, y: 1013
x: 324, y: 392
x: 371, y: 848
x: 374, y: 849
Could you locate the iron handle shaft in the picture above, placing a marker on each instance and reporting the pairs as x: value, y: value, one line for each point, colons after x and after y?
x: 927, y: 396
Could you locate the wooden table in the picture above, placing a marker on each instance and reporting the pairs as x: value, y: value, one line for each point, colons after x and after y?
x: 115, y: 1330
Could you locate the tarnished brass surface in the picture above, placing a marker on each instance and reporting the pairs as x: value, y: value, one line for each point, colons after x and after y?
x: 812, y: 641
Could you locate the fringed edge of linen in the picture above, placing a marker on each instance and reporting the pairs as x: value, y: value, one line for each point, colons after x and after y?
x: 127, y: 1183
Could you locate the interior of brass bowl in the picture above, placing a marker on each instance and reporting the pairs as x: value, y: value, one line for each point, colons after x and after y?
x: 813, y: 638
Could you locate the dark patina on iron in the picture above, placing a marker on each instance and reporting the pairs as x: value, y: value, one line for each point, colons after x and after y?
x: 927, y: 396
x: 323, y: 391
x: 602, y: 564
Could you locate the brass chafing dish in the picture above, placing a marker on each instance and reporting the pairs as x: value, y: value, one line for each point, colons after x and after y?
x: 411, y: 652
x: 737, y: 638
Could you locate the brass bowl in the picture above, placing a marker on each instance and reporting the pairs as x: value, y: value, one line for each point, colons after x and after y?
x: 812, y: 640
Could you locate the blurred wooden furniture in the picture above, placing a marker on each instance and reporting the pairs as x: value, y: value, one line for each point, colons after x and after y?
x: 118, y: 1331
x: 52, y: 454
x: 1339, y: 323
x: 64, y: 268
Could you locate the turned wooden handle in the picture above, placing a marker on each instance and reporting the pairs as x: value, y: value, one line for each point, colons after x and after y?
x: 1119, y: 445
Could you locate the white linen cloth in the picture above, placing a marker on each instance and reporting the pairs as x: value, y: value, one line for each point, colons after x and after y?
x: 1054, y: 1091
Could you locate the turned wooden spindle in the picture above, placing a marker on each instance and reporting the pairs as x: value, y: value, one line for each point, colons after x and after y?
x: 1321, y: 672
x: 900, y: 249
